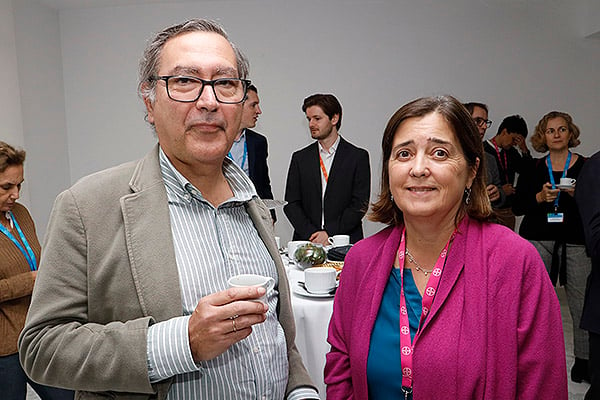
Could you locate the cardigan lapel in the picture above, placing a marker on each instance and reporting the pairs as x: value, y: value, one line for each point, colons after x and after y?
x: 149, y: 241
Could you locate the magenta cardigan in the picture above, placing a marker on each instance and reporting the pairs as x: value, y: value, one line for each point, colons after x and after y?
x: 494, y: 331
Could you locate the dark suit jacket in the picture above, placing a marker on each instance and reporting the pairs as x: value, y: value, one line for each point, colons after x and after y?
x: 346, y: 197
x: 587, y: 194
x: 258, y: 151
x: 517, y: 163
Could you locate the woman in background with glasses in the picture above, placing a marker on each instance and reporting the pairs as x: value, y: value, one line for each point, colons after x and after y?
x: 19, y: 259
x: 552, y: 221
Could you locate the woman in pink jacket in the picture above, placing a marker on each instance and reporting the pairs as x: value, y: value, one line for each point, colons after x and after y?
x: 442, y: 304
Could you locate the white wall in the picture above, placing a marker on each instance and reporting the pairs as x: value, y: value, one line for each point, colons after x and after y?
x: 43, y: 107
x: 11, y: 127
x: 526, y: 57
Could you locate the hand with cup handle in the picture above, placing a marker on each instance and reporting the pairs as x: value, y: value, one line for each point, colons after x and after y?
x: 547, y: 194
x: 320, y: 237
x: 224, y: 318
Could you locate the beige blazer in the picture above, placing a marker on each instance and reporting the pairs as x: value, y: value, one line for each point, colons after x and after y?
x: 107, y: 272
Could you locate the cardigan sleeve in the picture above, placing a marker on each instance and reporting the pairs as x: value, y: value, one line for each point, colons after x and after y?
x: 541, y: 366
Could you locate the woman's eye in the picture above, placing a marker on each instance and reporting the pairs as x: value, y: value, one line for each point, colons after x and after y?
x: 440, y: 153
x: 402, y: 154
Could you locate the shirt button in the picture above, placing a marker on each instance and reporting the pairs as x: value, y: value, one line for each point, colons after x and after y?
x: 187, y: 196
x: 256, y: 350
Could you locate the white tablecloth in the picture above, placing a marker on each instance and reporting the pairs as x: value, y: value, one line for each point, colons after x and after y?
x: 312, y: 317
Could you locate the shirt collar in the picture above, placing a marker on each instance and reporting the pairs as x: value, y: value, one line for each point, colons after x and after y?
x: 242, y: 137
x: 180, y: 190
x: 332, y: 149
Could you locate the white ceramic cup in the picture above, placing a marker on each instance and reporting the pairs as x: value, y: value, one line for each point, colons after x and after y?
x: 293, y: 246
x: 249, y: 280
x: 319, y: 280
x: 339, y: 240
x: 567, y: 182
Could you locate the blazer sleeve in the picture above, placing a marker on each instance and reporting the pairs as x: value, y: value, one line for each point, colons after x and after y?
x: 493, y: 178
x: 59, y: 346
x: 587, y: 193
x: 352, y: 216
x: 294, y: 209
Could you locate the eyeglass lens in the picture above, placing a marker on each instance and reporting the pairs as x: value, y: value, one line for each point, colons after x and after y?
x: 188, y: 89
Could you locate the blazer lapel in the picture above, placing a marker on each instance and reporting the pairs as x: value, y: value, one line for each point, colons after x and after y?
x: 150, y: 242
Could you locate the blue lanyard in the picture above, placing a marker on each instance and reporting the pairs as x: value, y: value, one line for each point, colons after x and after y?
x: 244, y: 157
x: 564, y: 174
x: 27, y: 252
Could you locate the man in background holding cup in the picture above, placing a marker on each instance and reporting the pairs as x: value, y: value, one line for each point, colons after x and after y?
x: 329, y: 182
x: 132, y: 299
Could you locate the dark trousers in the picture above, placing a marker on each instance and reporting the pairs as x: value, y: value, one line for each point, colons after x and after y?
x: 13, y: 383
x: 594, y: 392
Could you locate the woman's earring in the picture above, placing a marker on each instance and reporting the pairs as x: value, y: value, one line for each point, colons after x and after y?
x: 467, y: 196
x: 392, y: 197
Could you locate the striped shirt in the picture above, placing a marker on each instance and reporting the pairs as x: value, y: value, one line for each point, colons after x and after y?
x: 211, y: 245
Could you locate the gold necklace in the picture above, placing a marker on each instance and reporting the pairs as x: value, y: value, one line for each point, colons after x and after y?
x: 418, y: 267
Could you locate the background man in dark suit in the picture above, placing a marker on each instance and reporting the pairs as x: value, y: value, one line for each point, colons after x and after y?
x: 587, y: 195
x: 329, y: 181
x: 250, y: 149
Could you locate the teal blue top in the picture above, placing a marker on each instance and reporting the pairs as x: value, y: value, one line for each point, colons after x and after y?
x: 384, y: 372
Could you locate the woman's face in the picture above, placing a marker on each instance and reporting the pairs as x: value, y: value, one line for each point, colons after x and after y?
x: 557, y: 134
x: 427, y: 169
x: 10, y: 185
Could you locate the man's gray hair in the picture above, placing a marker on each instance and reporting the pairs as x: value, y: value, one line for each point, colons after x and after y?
x: 149, y: 63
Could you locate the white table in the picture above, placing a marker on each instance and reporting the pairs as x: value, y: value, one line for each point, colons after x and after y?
x: 312, y: 317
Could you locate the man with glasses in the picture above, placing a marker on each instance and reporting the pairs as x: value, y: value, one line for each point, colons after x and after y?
x: 132, y: 298
x: 329, y: 182
x: 250, y: 149
x: 512, y: 156
x: 479, y: 112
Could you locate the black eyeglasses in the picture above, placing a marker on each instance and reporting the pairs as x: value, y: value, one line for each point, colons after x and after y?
x: 188, y: 89
x: 481, y: 122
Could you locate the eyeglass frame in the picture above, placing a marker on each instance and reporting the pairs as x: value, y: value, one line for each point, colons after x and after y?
x: 165, y: 78
x: 479, y: 121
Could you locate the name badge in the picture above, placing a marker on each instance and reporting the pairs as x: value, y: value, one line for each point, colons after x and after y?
x: 556, y: 217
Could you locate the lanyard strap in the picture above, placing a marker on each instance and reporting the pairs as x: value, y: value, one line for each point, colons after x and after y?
x: 27, y: 252
x: 243, y: 157
x: 503, y: 165
x: 564, y: 174
x: 323, y: 168
x: 406, y: 347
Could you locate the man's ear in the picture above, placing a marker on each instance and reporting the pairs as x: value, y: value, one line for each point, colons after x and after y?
x: 335, y: 119
x: 149, y: 109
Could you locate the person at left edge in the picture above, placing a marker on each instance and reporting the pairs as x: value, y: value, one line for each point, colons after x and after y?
x: 131, y: 300
x: 479, y: 317
x: 19, y: 259
x: 250, y: 149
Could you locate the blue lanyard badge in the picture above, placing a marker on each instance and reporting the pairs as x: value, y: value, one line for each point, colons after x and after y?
x: 27, y: 251
x: 556, y: 217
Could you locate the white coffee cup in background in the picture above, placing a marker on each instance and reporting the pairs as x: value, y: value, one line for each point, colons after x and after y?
x: 249, y: 280
x: 278, y: 242
x: 339, y: 240
x: 567, y: 182
x: 293, y: 246
x: 320, y: 280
